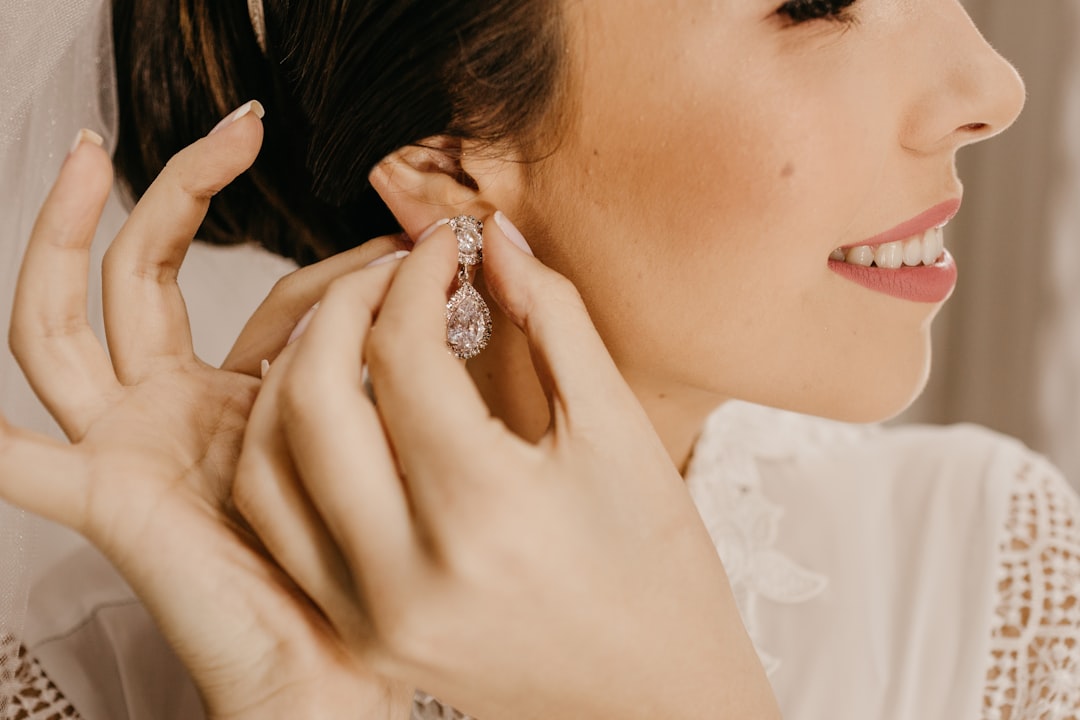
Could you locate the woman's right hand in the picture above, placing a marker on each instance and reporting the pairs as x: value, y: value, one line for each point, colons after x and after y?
x: 156, y: 436
x: 569, y: 578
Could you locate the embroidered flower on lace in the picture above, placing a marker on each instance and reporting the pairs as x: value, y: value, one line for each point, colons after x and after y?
x: 1035, y: 648
x: 743, y: 523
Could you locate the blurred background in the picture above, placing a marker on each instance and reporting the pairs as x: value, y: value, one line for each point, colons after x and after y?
x: 1007, y: 346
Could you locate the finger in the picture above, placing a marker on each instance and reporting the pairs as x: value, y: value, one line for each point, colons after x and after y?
x: 334, y: 432
x: 582, y: 381
x: 426, y: 398
x: 42, y: 476
x: 270, y: 327
x: 145, y: 315
x: 267, y: 493
x: 50, y: 334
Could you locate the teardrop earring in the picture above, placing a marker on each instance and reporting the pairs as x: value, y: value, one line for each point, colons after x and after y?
x: 468, y: 319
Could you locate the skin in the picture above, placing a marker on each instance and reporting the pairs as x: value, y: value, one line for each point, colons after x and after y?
x: 695, y: 211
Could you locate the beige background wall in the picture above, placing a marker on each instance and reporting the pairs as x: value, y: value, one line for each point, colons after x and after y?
x: 1006, y: 348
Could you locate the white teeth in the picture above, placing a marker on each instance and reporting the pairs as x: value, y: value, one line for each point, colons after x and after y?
x: 861, y: 255
x: 890, y: 255
x: 925, y: 249
x: 913, y: 251
x: 933, y: 245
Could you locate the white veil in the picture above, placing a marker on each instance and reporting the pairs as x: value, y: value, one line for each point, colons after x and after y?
x: 56, y: 76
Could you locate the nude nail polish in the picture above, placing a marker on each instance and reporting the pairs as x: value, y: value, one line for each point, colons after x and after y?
x: 252, y: 106
x: 512, y: 233
x: 86, y: 136
x: 388, y: 258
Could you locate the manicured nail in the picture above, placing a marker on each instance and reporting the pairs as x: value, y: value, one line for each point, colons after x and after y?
x: 302, y: 325
x: 252, y: 106
x: 389, y: 258
x: 264, y: 368
x: 85, y: 136
x: 512, y: 233
x: 431, y: 231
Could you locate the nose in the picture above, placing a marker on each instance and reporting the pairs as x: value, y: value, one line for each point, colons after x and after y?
x: 971, y: 93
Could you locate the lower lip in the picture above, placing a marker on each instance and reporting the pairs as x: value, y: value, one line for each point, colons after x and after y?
x: 925, y: 283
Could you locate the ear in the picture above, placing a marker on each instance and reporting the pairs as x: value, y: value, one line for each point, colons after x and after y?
x: 444, y: 177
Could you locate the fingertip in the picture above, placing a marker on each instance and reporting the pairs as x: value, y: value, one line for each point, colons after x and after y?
x: 512, y: 233
x: 509, y: 264
x: 252, y: 108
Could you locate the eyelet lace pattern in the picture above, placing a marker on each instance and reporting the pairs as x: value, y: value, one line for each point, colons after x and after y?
x: 26, y: 692
x: 1034, y: 669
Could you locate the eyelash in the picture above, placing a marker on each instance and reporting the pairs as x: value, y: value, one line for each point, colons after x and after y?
x: 800, y: 11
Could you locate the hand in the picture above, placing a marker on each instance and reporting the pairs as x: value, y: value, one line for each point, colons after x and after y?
x: 568, y: 578
x: 156, y: 435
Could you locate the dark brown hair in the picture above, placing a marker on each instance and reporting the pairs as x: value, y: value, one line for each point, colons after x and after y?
x: 344, y: 84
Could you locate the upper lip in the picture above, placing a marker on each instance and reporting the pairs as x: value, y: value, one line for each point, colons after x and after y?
x: 932, y: 218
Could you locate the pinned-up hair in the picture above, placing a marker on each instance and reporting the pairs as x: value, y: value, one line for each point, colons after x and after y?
x: 345, y: 83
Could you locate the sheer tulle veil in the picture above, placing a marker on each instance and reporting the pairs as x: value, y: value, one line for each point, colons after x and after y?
x: 56, y: 76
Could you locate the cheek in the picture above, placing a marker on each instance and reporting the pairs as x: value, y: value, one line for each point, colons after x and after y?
x: 699, y: 239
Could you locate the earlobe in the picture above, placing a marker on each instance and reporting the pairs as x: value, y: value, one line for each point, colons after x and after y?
x: 424, y: 183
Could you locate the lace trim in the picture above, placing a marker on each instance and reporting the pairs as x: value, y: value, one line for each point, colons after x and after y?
x: 26, y: 692
x: 743, y: 523
x: 1035, y: 647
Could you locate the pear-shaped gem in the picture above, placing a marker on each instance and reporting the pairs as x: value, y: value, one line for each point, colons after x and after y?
x: 468, y: 323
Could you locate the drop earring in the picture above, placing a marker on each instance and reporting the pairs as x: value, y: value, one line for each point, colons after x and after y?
x: 468, y: 319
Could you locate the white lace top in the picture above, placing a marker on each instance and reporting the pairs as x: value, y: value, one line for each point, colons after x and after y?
x: 929, y: 573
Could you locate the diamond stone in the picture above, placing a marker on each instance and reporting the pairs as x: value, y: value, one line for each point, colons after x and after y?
x: 468, y: 323
x: 470, y: 237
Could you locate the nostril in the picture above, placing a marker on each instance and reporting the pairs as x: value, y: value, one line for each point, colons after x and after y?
x: 975, y: 127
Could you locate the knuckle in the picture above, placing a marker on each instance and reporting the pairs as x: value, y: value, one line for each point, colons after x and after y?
x: 296, y: 398
x: 380, y: 351
x: 560, y: 287
x: 198, y: 181
x: 288, y: 285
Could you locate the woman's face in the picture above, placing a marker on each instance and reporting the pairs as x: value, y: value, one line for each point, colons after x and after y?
x: 721, y: 152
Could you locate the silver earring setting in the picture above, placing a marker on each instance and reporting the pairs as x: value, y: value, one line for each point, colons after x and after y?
x: 468, y: 319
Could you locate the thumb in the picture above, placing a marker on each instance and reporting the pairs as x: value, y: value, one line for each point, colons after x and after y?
x: 570, y: 358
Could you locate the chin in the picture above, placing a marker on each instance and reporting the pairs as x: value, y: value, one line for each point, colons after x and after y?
x: 877, y: 393
x: 881, y: 396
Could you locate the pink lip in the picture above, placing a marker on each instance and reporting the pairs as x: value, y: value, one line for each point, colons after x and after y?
x: 932, y: 218
x: 925, y: 283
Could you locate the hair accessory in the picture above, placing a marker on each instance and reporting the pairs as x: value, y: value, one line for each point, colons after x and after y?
x: 468, y: 319
x: 258, y: 22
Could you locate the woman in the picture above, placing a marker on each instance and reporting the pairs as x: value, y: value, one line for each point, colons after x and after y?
x: 747, y: 198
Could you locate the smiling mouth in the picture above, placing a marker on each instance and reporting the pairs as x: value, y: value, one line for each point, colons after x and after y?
x: 925, y: 248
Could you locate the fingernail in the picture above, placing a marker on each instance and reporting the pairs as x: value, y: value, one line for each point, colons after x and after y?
x: 431, y: 231
x: 85, y: 136
x: 389, y: 258
x: 264, y: 368
x: 302, y: 325
x: 252, y: 106
x: 512, y: 233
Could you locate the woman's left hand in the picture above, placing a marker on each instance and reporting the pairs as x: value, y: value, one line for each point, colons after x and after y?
x: 568, y: 578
